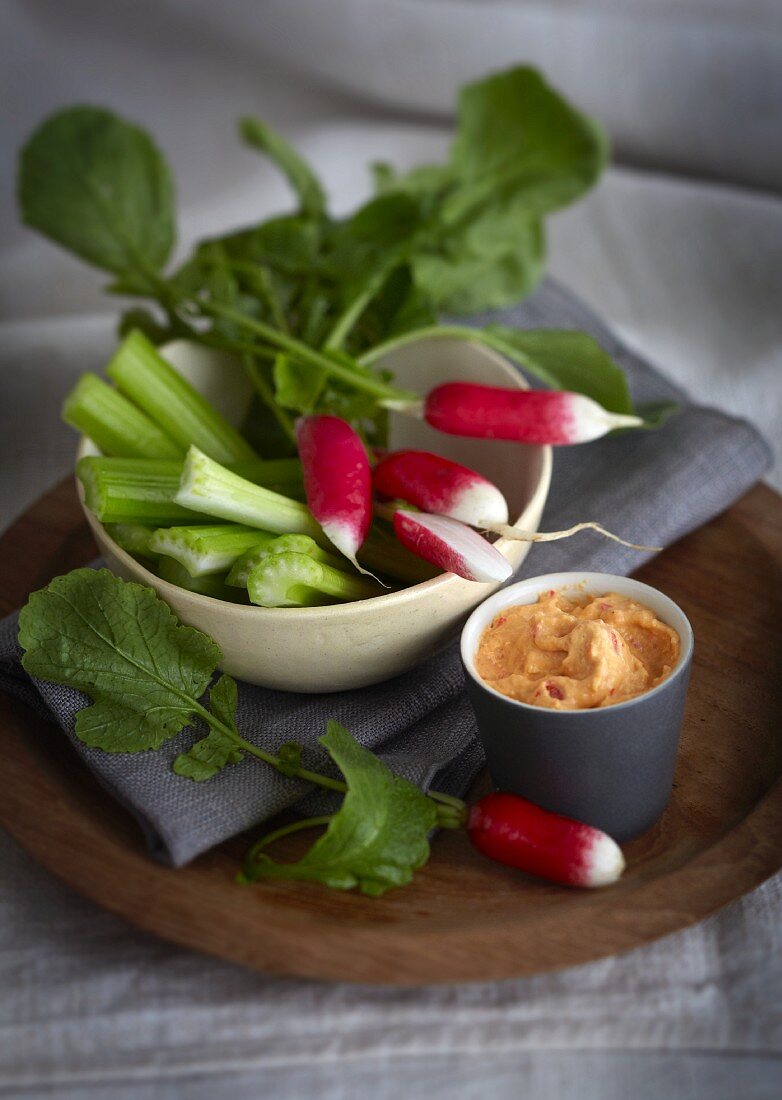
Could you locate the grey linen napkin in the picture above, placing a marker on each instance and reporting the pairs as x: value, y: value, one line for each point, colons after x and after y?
x: 651, y: 487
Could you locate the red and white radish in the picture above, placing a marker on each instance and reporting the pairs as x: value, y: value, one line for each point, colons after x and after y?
x: 435, y: 484
x: 451, y: 545
x: 524, y: 416
x: 337, y: 481
x: 513, y: 831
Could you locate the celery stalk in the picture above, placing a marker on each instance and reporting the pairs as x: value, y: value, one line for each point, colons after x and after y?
x: 147, y: 379
x: 296, y: 544
x: 383, y: 554
x: 273, y: 473
x: 295, y: 580
x: 208, y: 487
x: 212, y: 585
x: 133, y: 537
x: 207, y: 550
x: 114, y: 424
x: 136, y: 490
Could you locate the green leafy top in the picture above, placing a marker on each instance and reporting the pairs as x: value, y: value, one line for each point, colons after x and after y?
x: 121, y: 645
x: 145, y: 673
x: 378, y: 838
x: 300, y: 176
x: 100, y: 187
x: 310, y: 301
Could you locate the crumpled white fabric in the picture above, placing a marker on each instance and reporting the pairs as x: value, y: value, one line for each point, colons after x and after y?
x: 689, y: 271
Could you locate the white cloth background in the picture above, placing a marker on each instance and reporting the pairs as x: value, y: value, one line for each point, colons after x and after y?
x: 689, y: 271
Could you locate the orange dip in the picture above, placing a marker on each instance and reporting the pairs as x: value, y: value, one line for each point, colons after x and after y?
x: 573, y: 654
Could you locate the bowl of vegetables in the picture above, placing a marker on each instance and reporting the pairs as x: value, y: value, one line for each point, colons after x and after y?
x: 320, y: 473
x: 371, y: 634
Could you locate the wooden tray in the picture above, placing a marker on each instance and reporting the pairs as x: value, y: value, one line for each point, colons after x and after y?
x: 463, y: 918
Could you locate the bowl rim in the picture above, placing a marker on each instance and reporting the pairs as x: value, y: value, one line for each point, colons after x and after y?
x: 482, y: 615
x: 434, y: 586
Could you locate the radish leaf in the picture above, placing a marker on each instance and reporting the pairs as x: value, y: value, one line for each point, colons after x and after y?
x: 122, y: 646
x: 298, y: 173
x: 100, y: 187
x: 376, y: 840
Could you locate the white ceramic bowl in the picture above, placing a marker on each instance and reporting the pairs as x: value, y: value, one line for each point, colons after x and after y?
x: 320, y: 649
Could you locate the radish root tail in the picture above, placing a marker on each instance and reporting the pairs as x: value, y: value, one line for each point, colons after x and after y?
x: 509, y: 532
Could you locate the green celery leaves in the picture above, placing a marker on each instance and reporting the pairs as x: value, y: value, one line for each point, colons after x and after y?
x: 376, y: 840
x: 100, y: 187
x: 122, y: 646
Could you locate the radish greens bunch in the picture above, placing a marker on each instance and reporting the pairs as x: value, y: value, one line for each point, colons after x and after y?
x: 310, y: 302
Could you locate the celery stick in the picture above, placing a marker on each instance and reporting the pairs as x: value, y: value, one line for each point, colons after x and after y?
x: 271, y: 472
x: 295, y: 580
x: 212, y: 585
x: 297, y: 544
x: 208, y: 487
x: 135, y: 490
x: 133, y: 537
x: 383, y: 554
x: 207, y: 550
x: 114, y: 424
x: 147, y: 379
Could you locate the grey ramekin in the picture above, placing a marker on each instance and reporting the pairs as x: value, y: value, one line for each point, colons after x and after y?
x: 611, y: 767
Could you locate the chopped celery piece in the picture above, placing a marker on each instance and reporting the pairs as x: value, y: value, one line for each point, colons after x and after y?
x: 295, y: 580
x: 383, y: 554
x: 212, y: 585
x: 133, y: 537
x: 114, y: 424
x: 282, y: 544
x: 144, y: 376
x: 283, y: 475
x: 140, y: 490
x: 208, y: 487
x: 206, y: 550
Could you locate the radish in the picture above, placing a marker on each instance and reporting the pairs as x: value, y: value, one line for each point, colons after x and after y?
x: 337, y: 481
x: 513, y: 831
x: 525, y: 416
x: 451, y: 545
x: 435, y: 484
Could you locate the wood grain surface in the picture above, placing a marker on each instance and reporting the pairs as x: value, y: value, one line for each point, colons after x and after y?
x: 463, y: 918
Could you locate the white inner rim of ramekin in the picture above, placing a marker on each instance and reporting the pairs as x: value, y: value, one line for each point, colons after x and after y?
x: 577, y: 584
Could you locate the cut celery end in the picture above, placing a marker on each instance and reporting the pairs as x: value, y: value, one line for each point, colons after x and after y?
x: 203, y: 551
x: 132, y: 537
x: 282, y: 544
x: 114, y: 424
x: 133, y: 490
x: 144, y: 376
x: 295, y: 580
x: 172, y: 571
x: 208, y: 487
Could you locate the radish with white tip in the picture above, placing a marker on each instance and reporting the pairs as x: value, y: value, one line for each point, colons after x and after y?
x: 436, y: 484
x: 337, y: 481
x: 451, y: 545
x: 524, y: 416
